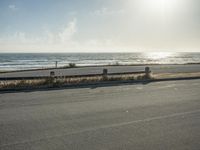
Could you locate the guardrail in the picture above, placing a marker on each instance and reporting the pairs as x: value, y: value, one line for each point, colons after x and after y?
x: 105, y: 73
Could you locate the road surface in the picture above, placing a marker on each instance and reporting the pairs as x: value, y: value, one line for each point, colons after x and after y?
x: 111, y: 69
x: 161, y: 115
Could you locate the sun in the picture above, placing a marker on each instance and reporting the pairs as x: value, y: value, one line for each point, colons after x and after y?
x: 159, y: 6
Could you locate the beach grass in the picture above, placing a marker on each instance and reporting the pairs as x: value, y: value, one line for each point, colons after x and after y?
x: 176, y: 75
x: 62, y: 81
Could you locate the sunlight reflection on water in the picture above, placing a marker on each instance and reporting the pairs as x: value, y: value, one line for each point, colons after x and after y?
x: 158, y: 55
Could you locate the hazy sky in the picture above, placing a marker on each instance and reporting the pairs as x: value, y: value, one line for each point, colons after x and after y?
x: 99, y: 25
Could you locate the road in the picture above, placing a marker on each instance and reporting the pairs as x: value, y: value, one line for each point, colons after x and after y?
x: 160, y: 115
x: 111, y: 69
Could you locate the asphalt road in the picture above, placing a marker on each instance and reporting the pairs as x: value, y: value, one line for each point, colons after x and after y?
x: 111, y: 69
x: 161, y: 115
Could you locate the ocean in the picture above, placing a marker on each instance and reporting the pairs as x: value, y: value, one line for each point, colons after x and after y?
x: 23, y: 61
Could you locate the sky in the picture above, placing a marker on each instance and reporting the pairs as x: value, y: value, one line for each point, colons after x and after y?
x: 99, y: 25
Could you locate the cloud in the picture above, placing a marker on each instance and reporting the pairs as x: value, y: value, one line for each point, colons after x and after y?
x: 12, y: 7
x: 68, y: 32
x: 73, y: 13
x: 64, y: 40
x: 107, y: 12
x: 64, y: 36
x: 50, y: 40
x: 16, y: 38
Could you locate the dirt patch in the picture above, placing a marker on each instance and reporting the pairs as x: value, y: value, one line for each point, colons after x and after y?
x: 176, y: 75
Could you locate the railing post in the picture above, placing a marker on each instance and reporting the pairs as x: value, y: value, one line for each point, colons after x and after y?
x: 147, y: 72
x: 105, y: 74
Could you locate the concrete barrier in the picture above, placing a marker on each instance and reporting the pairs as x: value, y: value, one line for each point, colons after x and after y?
x: 147, y: 72
x: 56, y: 64
x: 105, y: 73
x: 52, y: 74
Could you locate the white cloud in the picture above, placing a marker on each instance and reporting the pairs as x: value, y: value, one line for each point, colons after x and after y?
x: 12, y: 7
x: 106, y: 12
x: 68, y: 32
x: 63, y: 37
x: 50, y: 40
x: 21, y: 36
x: 73, y: 13
x: 17, y: 37
x: 63, y: 41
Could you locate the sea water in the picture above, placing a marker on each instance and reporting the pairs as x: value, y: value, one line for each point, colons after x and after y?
x: 22, y: 61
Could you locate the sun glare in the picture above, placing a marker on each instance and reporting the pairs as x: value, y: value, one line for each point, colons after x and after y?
x: 159, y: 6
x: 158, y: 55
